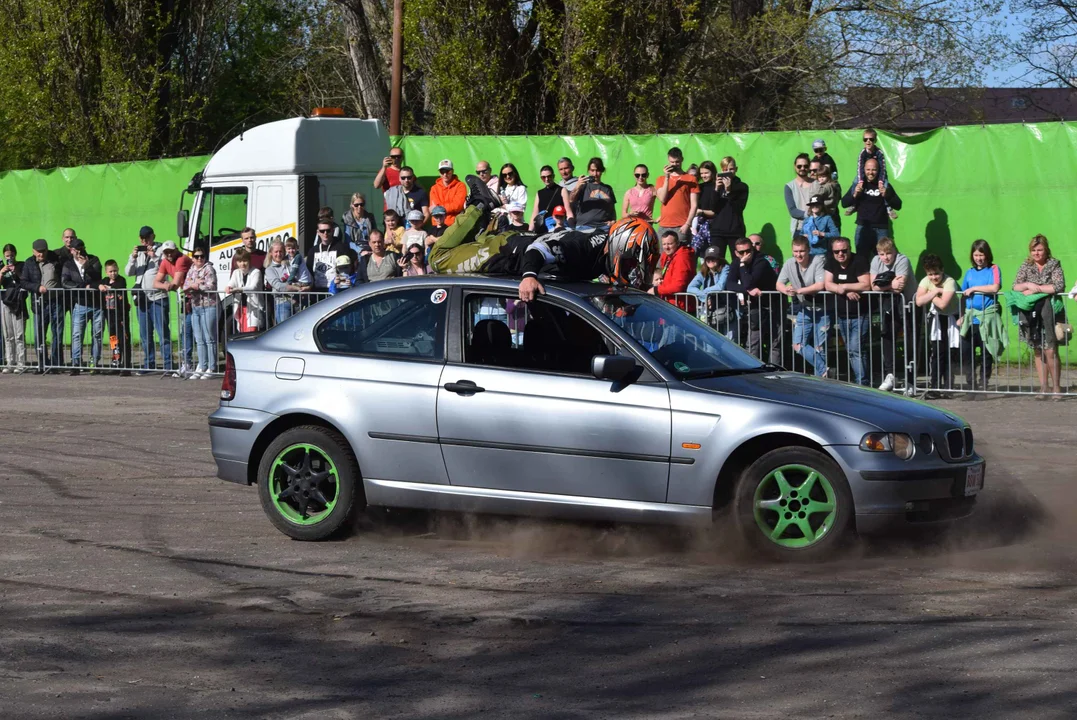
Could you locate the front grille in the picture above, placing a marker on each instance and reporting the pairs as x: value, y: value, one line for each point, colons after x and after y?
x: 968, y: 442
x: 955, y: 444
x: 926, y: 444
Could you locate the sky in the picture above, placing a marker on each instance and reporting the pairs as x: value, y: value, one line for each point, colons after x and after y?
x: 1009, y: 74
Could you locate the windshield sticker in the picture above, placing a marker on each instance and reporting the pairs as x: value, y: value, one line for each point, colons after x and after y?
x: 438, y: 296
x: 681, y: 367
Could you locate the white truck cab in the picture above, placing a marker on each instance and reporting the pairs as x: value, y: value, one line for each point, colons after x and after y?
x: 275, y: 177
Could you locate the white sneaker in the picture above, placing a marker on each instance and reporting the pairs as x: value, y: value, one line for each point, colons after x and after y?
x: 5, y: 370
x: 910, y: 392
x: 20, y: 370
x: 182, y: 372
x: 195, y: 375
x: 206, y: 376
x: 888, y: 383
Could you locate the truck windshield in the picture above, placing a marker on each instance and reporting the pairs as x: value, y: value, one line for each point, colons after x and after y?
x: 683, y: 345
x: 223, y: 215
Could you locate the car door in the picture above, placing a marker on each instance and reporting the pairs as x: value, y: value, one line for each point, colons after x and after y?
x: 519, y: 409
x: 377, y: 377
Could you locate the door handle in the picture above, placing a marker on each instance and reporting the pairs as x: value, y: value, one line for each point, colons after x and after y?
x: 463, y: 387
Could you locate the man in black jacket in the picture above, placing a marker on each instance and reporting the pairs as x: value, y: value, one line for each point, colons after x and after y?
x: 730, y: 200
x: 873, y: 200
x: 750, y: 275
x: 81, y: 277
x: 322, y: 256
x: 40, y: 278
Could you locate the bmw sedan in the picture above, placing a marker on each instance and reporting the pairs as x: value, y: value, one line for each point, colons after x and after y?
x: 447, y: 393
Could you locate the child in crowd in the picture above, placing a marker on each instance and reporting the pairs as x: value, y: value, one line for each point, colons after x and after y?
x: 344, y: 278
x: 117, y: 311
x: 415, y: 233
x: 559, y: 216
x: 818, y: 227
x: 981, y: 326
x: 394, y: 232
x: 437, y: 220
x: 297, y: 267
x: 872, y: 151
x: 938, y: 292
x: 244, y: 285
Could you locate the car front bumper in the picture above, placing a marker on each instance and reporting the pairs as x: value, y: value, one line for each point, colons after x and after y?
x: 889, y: 494
x: 232, y: 434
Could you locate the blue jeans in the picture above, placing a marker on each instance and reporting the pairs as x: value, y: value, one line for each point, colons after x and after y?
x: 187, y: 340
x: 145, y: 337
x: 867, y: 237
x: 204, y: 326
x: 283, y: 310
x: 48, y: 315
x: 852, y: 331
x: 160, y: 311
x: 812, y: 344
x: 79, y: 314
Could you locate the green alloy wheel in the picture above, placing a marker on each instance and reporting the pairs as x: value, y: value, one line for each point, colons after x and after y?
x: 307, y: 482
x: 794, y: 503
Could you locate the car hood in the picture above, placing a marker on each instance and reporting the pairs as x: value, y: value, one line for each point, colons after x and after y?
x: 886, y: 411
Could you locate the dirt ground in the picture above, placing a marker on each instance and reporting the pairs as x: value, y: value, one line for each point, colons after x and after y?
x: 135, y: 584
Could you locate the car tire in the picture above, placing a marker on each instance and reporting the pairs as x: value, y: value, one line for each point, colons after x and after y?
x: 773, y: 515
x: 309, y: 483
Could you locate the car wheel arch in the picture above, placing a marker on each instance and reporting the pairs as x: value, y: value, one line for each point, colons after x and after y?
x: 750, y: 450
x: 283, y: 424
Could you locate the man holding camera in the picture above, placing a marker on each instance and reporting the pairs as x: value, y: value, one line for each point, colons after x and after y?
x: 143, y: 258
x: 678, y: 192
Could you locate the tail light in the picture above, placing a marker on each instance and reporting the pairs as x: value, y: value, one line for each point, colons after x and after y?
x: 228, y: 384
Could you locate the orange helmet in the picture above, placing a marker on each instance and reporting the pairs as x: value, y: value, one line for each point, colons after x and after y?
x: 632, y: 252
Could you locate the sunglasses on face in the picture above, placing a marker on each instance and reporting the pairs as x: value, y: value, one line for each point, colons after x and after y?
x: 640, y: 176
x: 746, y: 251
x: 508, y: 174
x: 483, y: 172
x: 323, y: 232
x: 396, y: 157
x: 358, y: 204
x: 802, y: 167
x: 546, y: 177
x: 840, y: 251
x: 406, y: 177
x: 869, y: 139
x: 444, y: 171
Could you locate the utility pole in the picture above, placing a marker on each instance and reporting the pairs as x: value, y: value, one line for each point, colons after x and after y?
x: 398, y: 67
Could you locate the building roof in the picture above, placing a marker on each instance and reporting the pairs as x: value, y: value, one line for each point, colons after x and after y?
x: 923, y: 108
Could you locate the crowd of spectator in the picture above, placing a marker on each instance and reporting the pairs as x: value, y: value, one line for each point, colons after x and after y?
x: 829, y: 282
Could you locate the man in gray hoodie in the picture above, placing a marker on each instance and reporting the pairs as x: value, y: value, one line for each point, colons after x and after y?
x: 798, y: 192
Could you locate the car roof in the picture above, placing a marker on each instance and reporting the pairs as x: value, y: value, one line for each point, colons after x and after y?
x: 504, y: 282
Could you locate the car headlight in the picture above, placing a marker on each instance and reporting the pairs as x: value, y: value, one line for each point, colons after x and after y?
x: 898, y: 443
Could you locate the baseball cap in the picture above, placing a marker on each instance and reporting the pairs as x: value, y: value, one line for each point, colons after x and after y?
x: 816, y: 200
x: 438, y: 210
x: 343, y: 261
x: 516, y: 207
x: 445, y: 165
x: 168, y: 245
x: 77, y: 244
x: 559, y: 211
x: 41, y: 245
x: 145, y: 231
x: 415, y: 215
x: 819, y: 144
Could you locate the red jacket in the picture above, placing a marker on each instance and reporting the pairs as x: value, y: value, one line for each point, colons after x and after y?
x: 678, y: 270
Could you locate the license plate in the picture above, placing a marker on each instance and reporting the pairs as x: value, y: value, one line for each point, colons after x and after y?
x: 974, y: 479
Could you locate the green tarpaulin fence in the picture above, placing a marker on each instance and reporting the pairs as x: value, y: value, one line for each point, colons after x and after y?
x: 1003, y: 183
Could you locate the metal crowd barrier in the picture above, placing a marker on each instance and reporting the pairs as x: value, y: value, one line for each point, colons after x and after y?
x: 883, y: 335
x: 131, y: 331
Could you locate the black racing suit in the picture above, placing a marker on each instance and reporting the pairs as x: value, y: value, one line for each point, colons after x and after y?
x: 569, y: 254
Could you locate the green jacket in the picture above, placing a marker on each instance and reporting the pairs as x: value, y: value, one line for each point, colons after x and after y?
x: 992, y: 330
x: 1019, y: 301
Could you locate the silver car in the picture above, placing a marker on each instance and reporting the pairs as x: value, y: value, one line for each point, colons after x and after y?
x: 445, y: 392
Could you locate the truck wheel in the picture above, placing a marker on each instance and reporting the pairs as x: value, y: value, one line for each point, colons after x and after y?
x: 307, y: 482
x: 794, y: 504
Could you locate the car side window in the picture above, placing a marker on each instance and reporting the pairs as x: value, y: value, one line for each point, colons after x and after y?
x: 504, y: 332
x: 407, y: 324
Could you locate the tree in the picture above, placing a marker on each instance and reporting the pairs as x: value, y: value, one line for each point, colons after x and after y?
x: 1048, y: 44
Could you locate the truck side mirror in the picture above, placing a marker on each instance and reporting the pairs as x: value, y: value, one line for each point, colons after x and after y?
x: 181, y: 224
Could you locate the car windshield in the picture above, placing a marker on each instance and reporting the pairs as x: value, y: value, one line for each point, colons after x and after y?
x: 682, y: 344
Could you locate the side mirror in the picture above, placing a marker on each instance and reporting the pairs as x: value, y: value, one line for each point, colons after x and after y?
x: 612, y: 367
x: 181, y: 224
